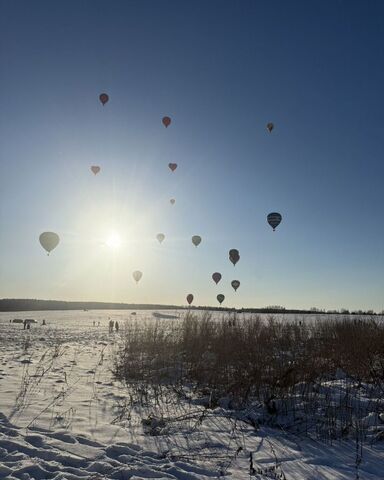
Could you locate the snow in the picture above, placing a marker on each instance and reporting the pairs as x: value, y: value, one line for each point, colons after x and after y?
x: 64, y: 416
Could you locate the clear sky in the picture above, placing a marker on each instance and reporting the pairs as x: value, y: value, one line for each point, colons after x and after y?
x: 221, y: 70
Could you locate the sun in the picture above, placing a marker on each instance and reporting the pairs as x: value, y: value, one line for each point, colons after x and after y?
x: 113, y: 240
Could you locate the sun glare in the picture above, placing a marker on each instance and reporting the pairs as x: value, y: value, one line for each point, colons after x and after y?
x: 113, y: 240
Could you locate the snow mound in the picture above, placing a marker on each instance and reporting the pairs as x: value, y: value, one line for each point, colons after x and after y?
x: 43, y: 455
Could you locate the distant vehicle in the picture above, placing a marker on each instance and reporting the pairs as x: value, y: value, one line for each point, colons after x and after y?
x: 17, y: 320
x: 163, y: 315
x: 30, y: 320
x: 133, y: 313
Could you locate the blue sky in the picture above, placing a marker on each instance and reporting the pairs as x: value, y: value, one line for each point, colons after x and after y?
x: 221, y: 70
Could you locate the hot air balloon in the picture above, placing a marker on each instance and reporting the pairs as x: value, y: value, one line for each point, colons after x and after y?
x: 274, y: 219
x: 270, y: 127
x: 103, y: 98
x: 196, y: 240
x: 216, y: 277
x: 235, y: 284
x: 234, y: 256
x: 220, y: 298
x: 172, y: 166
x: 95, y: 169
x: 172, y: 201
x: 49, y: 241
x: 166, y: 121
x: 137, y: 275
x: 160, y: 237
x: 189, y: 298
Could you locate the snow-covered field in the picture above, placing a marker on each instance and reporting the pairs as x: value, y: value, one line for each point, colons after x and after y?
x: 63, y: 416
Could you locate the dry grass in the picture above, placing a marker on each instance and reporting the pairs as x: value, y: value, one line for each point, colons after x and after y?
x: 287, y: 368
x: 251, y: 356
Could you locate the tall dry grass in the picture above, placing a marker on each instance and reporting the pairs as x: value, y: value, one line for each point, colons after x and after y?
x: 251, y: 357
x: 321, y: 378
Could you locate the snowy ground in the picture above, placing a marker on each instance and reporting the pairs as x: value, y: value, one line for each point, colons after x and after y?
x: 63, y: 416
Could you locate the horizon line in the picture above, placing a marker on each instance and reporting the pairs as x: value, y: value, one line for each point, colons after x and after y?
x: 142, y: 306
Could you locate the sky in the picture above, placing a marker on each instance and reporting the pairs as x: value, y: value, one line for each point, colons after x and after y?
x: 221, y: 69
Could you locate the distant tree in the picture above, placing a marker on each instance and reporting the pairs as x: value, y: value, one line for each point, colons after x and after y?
x: 275, y: 307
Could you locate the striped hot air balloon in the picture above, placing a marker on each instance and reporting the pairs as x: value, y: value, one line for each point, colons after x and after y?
x: 274, y: 219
